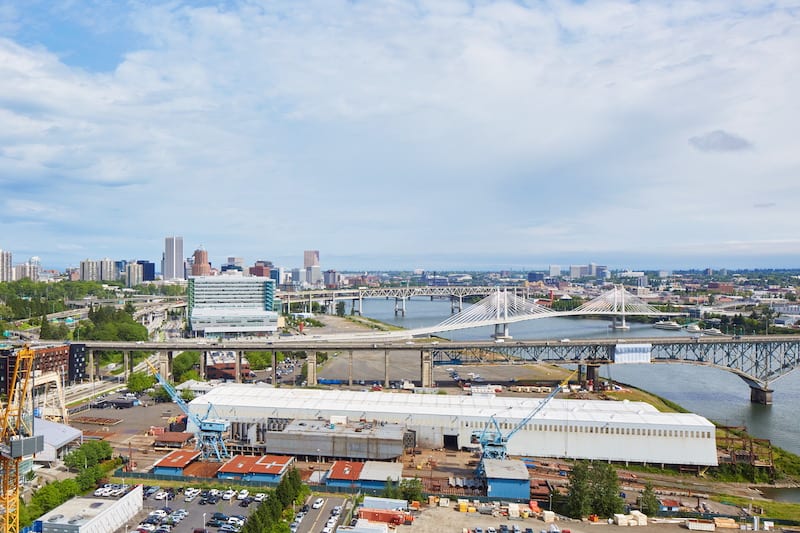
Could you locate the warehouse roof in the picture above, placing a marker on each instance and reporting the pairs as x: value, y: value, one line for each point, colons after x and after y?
x: 55, y: 434
x: 177, y: 459
x: 265, y: 464
x: 229, y: 397
x: 505, y: 469
x: 345, y: 470
x: 380, y: 471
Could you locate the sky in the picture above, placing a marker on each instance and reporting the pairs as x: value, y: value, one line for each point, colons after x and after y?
x: 403, y: 134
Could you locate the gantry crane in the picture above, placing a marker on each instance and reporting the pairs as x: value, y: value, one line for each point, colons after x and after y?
x: 16, y: 437
x: 492, y: 440
x: 210, y: 434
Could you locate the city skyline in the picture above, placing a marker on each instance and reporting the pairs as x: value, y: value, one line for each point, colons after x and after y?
x: 402, y: 135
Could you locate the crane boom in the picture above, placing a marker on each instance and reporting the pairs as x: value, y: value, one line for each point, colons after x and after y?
x: 210, y: 431
x: 16, y: 438
x: 492, y: 440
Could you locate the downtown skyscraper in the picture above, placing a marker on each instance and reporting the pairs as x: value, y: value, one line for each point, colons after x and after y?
x: 172, y: 261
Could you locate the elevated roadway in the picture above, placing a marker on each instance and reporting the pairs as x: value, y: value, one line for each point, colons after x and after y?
x: 759, y: 360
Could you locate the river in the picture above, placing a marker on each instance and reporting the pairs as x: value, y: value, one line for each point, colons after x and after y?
x: 712, y: 393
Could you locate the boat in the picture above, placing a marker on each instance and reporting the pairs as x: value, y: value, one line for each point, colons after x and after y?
x: 667, y: 324
x: 693, y: 328
x: 712, y: 331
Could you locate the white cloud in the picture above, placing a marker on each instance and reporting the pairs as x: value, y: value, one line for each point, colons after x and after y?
x: 402, y: 127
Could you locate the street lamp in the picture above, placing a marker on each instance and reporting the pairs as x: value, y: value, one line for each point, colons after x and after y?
x: 204, y: 520
x: 319, y: 457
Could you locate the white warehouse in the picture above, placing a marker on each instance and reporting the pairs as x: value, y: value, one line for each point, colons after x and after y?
x: 579, y: 429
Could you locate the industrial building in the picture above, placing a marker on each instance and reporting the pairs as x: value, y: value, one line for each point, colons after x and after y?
x: 267, y: 468
x: 92, y: 515
x: 507, y: 479
x: 173, y: 463
x: 330, y: 437
x: 580, y: 429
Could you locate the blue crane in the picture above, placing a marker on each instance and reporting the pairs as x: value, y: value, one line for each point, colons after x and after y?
x: 492, y: 440
x: 209, y: 437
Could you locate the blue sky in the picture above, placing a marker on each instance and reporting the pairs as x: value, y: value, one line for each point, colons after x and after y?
x: 395, y: 134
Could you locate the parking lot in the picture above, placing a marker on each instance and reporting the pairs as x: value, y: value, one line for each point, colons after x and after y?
x: 321, y: 519
x: 199, y: 511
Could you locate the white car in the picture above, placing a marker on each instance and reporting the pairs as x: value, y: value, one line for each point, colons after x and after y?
x: 228, y: 494
x: 160, y: 495
x: 319, y: 502
x: 244, y: 493
x: 159, y: 513
x: 260, y: 496
x: 146, y: 527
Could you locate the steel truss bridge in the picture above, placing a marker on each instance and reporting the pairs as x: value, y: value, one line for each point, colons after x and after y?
x: 758, y: 360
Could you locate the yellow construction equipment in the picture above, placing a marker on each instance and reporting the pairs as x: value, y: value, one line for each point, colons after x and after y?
x: 16, y: 438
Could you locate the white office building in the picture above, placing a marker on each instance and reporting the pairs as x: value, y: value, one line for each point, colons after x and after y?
x: 231, y: 306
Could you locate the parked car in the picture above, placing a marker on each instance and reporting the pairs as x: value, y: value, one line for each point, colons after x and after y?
x: 319, y: 502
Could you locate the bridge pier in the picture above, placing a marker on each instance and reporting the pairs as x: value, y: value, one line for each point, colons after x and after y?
x: 501, y: 331
x: 311, y: 366
x: 203, y: 362
x: 591, y: 374
x: 237, y: 367
x: 350, y: 368
x: 91, y: 365
x: 761, y: 395
x: 386, y: 368
x: 274, y: 369
x: 426, y: 368
x: 453, y: 305
x: 400, y: 306
x: 169, y: 365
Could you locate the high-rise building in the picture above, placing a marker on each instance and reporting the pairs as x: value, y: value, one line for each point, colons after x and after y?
x: 134, y: 274
x: 555, y: 271
x: 172, y: 264
x: 6, y: 272
x: 310, y: 258
x: 314, y: 275
x: 90, y: 270
x: 148, y: 270
x: 200, y: 264
x: 108, y: 270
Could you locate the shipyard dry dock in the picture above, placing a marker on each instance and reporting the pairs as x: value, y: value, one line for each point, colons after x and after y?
x: 579, y: 429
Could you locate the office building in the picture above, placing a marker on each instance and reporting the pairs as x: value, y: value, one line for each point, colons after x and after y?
x: 172, y: 264
x: 310, y: 258
x: 555, y: 271
x: 26, y: 270
x: 90, y: 270
x: 108, y: 270
x: 230, y: 306
x: 314, y: 275
x: 200, y: 264
x: 134, y: 274
x: 261, y: 269
x: 6, y: 272
x: 148, y: 270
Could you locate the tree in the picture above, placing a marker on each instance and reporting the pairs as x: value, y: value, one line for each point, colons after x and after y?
x: 649, y: 504
x: 604, y: 484
x: 140, y: 382
x: 593, y: 488
x: 411, y: 489
x: 578, y: 502
x: 340, y: 308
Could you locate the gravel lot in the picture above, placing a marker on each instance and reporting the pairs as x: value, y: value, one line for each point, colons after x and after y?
x: 444, y: 519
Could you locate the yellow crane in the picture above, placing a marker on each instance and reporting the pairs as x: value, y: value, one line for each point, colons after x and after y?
x: 16, y: 438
